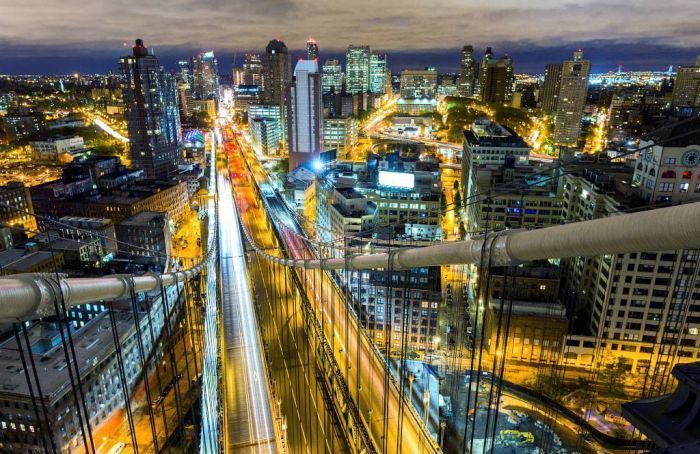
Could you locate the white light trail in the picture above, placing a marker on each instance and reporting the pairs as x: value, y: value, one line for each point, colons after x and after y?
x: 109, y: 130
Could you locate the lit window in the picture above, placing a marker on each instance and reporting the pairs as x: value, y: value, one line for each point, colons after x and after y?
x: 668, y: 174
x: 683, y: 187
x: 687, y: 175
x: 666, y: 187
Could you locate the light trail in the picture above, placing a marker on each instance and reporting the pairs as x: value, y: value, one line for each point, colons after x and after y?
x: 247, y: 406
x: 109, y: 130
x: 209, y: 436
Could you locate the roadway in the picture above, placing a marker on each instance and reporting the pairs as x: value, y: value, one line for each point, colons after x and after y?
x: 382, y: 410
x: 248, y: 422
x: 291, y: 359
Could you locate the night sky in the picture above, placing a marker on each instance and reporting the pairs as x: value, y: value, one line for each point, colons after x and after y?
x: 66, y: 36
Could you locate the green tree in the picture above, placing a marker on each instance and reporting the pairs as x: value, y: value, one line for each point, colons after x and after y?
x: 455, y: 185
x: 443, y: 202
x: 457, y: 203
x: 613, y: 376
x: 462, y: 231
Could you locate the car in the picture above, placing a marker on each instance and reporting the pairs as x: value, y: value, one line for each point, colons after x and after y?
x: 116, y: 449
x: 166, y: 390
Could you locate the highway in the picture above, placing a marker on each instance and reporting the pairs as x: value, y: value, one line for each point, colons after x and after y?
x: 362, y: 365
x: 291, y: 361
x: 248, y: 422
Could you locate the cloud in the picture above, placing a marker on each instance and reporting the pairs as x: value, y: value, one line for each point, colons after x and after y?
x: 70, y: 28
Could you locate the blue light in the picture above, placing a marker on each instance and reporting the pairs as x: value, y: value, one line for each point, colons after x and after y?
x: 317, y: 165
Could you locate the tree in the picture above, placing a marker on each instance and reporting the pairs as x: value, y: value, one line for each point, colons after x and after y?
x: 455, y: 185
x: 458, y: 203
x: 462, y: 231
x: 443, y: 202
x: 613, y: 376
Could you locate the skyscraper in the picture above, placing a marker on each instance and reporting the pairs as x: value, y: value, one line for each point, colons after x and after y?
x: 572, y: 99
x: 549, y: 98
x: 151, y: 111
x: 185, y: 72
x: 205, y: 75
x: 276, y: 73
x: 305, y: 114
x: 357, y: 60
x: 468, y: 71
x: 496, y: 79
x: 686, y: 91
x: 253, y: 70
x: 311, y: 49
x: 332, y: 76
x: 419, y: 83
x: 377, y: 72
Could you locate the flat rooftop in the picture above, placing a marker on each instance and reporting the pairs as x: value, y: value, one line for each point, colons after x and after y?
x: 93, y: 344
x: 22, y: 260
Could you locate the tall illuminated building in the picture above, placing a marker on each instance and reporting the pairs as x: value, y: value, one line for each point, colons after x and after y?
x: 496, y: 79
x: 276, y: 72
x: 185, y: 72
x: 205, y: 76
x: 468, y: 73
x: 357, y: 73
x: 377, y: 72
x: 311, y: 49
x: 151, y: 112
x: 686, y: 90
x: 572, y: 99
x: 549, y: 98
x: 332, y: 76
x: 305, y: 114
x: 419, y: 83
x: 253, y: 70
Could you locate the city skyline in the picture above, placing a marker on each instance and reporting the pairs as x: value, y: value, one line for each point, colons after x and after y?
x: 604, y: 57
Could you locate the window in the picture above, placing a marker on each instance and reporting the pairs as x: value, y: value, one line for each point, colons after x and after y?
x: 683, y: 187
x: 687, y: 175
x: 666, y: 187
x: 668, y: 174
x: 670, y: 161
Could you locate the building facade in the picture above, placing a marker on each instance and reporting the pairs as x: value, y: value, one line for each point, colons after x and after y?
x: 151, y: 111
x: 468, y: 73
x: 357, y: 72
x: 549, y: 97
x: 572, y: 100
x: 686, y: 89
x: 205, y: 76
x: 305, y: 114
x: 332, y: 76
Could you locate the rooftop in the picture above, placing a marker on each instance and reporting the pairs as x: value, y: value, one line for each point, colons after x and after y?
x: 20, y: 260
x: 486, y: 133
x: 93, y: 343
x: 145, y: 217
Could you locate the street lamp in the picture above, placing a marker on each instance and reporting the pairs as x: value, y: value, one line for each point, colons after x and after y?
x: 442, y: 433
x: 426, y: 403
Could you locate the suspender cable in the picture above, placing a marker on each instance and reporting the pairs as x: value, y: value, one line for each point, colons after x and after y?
x: 122, y: 376
x: 40, y: 423
x: 145, y: 361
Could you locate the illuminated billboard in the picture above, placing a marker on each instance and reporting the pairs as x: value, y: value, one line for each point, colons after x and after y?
x: 396, y: 179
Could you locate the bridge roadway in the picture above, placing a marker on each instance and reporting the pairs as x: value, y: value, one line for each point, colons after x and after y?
x: 362, y: 365
x: 248, y: 423
x: 291, y: 358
